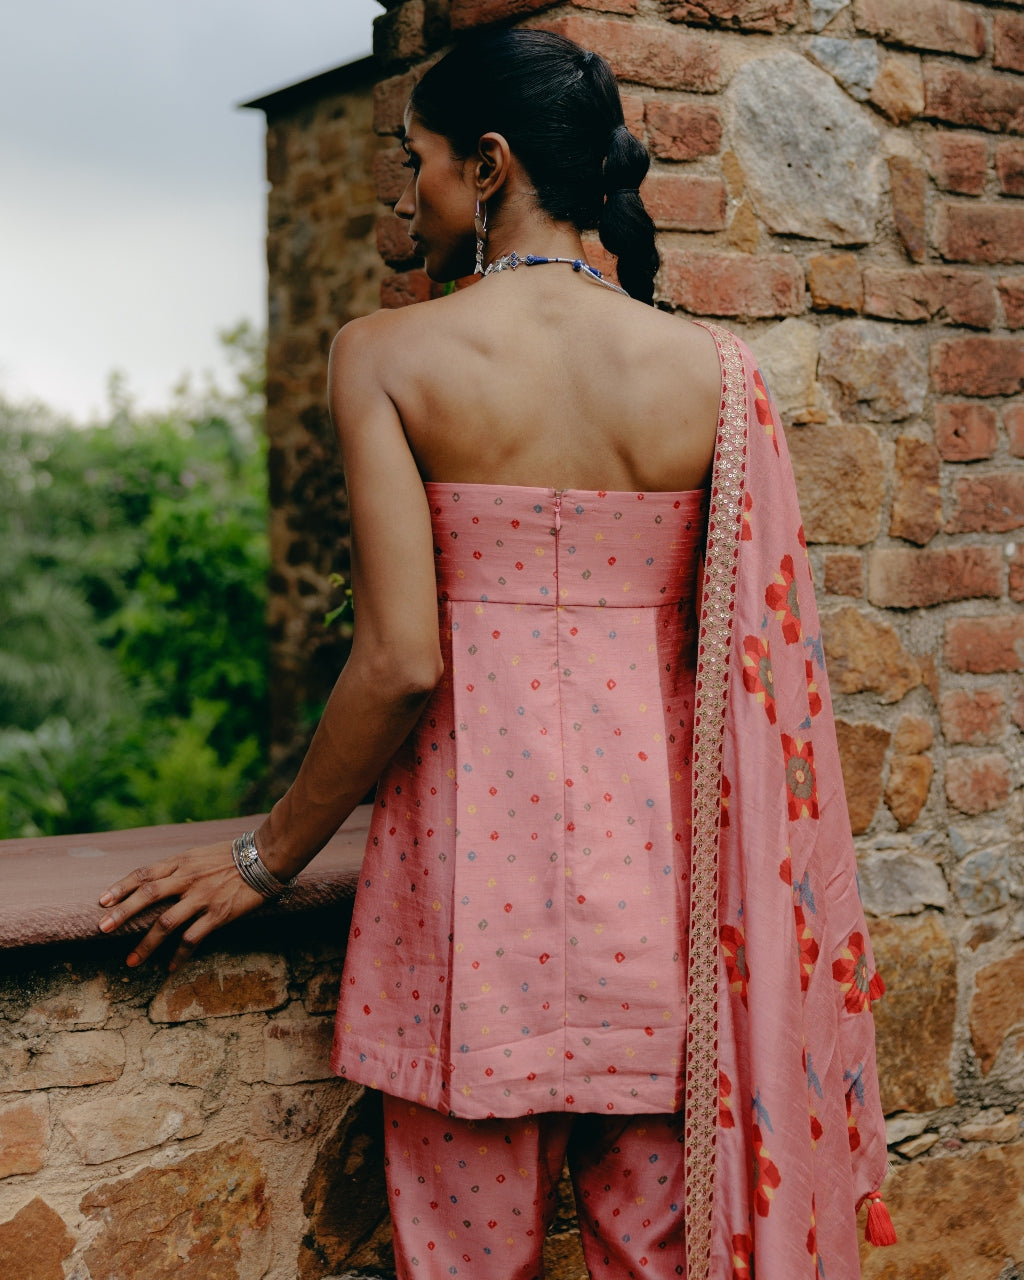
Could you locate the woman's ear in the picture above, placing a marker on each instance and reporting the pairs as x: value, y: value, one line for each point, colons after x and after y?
x: 493, y: 165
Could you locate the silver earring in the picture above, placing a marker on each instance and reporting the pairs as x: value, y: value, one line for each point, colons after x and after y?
x: 480, y: 224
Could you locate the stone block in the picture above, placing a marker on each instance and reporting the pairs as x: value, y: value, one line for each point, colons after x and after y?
x: 744, y: 229
x: 965, y: 432
x: 873, y: 371
x: 840, y: 480
x: 286, y: 1115
x: 726, y: 284
x: 465, y: 14
x: 958, y: 162
x: 184, y: 1055
x: 682, y: 130
x: 862, y: 749
x: 865, y: 655
x: 1008, y: 41
x: 914, y: 734
x: 76, y: 1005
x: 899, y: 578
x: 656, y: 55
x: 992, y: 503
x: 608, y: 6
x: 908, y: 186
x: 956, y: 1216
x: 107, y: 1128
x: 742, y: 15
x: 322, y: 991
x: 993, y: 1125
x: 788, y: 356
x: 64, y: 1060
x: 393, y: 242
x: 1010, y: 167
x: 34, y: 1243
x: 930, y: 293
x: 206, y: 1217
x: 978, y: 366
x: 985, y: 880
x: 291, y: 1052
x: 973, y: 717
x: 898, y: 91
x: 978, y: 784
x: 389, y: 174
x: 683, y: 202
x: 987, y: 233
x: 844, y: 574
x: 24, y: 1135
x: 390, y: 98
x: 405, y: 288
x: 1011, y: 293
x: 1013, y: 421
x: 854, y: 63
x: 914, y: 1025
x: 899, y: 882
x: 916, y: 513
x: 221, y: 986
x: 997, y: 1007
x: 798, y: 141
x: 400, y: 34
x: 973, y: 98
x: 985, y: 645
x: 835, y: 282
x: 1015, y: 575
x: 906, y: 788
x: 940, y: 25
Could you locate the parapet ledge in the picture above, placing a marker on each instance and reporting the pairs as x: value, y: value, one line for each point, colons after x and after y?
x: 49, y: 886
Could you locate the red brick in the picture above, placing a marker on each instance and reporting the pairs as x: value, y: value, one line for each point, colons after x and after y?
x: 608, y: 6
x: 978, y: 366
x: 1015, y: 577
x: 992, y: 503
x: 908, y: 187
x: 902, y: 579
x: 1008, y: 41
x: 1010, y: 167
x: 683, y: 130
x: 1011, y: 291
x: 1013, y: 421
x: 663, y: 57
x: 980, y: 232
x: 633, y: 113
x: 405, y: 288
x: 680, y: 202
x: 743, y: 15
x: 930, y: 293
x: 393, y: 243
x: 844, y: 573
x: 400, y: 35
x: 906, y: 791
x: 973, y: 97
x: 916, y: 501
x: 973, y: 717
x: 389, y: 175
x: 1017, y: 709
x: 958, y: 163
x: 862, y: 749
x: 389, y: 102
x: 942, y: 25
x: 465, y: 14
x: 726, y: 284
x: 977, y: 784
x: 24, y: 1134
x: 985, y: 645
x: 835, y: 282
x: 965, y: 432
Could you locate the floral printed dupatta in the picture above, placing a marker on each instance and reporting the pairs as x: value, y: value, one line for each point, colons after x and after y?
x: 784, y: 1128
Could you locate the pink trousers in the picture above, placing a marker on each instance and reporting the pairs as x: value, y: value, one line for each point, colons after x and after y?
x: 474, y: 1198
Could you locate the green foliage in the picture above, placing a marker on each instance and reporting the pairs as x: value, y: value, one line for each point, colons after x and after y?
x: 132, y: 594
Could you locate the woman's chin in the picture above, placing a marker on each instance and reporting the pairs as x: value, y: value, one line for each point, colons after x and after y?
x: 447, y: 271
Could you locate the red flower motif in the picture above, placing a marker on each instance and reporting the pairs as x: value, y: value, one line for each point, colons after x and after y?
x: 801, y: 783
x: 763, y: 408
x: 807, y: 948
x: 816, y: 1130
x: 851, y: 972
x: 726, y: 1119
x: 747, y: 528
x: 813, y: 696
x: 783, y: 599
x: 766, y: 1175
x: 734, y: 949
x: 852, y: 1132
x: 812, y: 1235
x: 742, y: 1258
x: 757, y: 673
x: 726, y: 793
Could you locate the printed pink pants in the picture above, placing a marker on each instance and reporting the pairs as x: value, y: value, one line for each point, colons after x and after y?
x: 474, y: 1198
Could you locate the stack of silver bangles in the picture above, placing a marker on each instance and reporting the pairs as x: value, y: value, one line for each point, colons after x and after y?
x: 253, y: 872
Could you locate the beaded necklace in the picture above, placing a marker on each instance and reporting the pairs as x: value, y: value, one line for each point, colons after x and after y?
x: 513, y: 260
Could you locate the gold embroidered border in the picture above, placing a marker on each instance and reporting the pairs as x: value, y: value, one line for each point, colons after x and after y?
x: 725, y: 516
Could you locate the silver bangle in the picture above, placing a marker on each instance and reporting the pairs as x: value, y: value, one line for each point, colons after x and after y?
x: 250, y: 867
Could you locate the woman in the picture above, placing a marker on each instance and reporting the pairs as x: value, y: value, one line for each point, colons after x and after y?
x: 586, y: 928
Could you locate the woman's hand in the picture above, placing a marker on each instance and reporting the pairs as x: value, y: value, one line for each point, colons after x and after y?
x: 203, y: 887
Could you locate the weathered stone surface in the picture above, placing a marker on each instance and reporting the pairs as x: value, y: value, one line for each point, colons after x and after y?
x: 913, y: 735
x: 106, y: 1128
x: 906, y: 789
x: 947, y: 295
x: 915, y: 1030
x: 978, y: 365
x: 1015, y: 576
x: 985, y: 645
x: 980, y: 232
x: 908, y: 185
x: 835, y: 282
x: 685, y: 202
x: 78, y: 1004
x: 976, y: 717
x: 958, y: 162
x: 989, y: 503
x: 993, y: 1125
x: 788, y: 356
x: 1010, y: 167
x: 898, y: 91
x: 733, y: 284
x: 203, y: 1218
x: 1011, y: 293
x: 286, y: 1115
x: 997, y: 1007
x: 682, y: 130
x: 747, y: 15
x: 322, y: 991
x: 854, y: 63
x: 841, y: 482
x: 798, y: 143
x: 823, y: 11
x: 942, y: 25
x: 976, y: 784
x: 865, y: 655
x: 862, y: 749
x: 64, y: 1060
x: 844, y: 574
x: 24, y: 1134
x: 744, y: 229
x: 916, y: 501
x: 899, y: 578
x: 221, y: 986
x: 873, y: 371
x: 660, y: 56
x: 899, y: 882
x: 1013, y: 421
x: 965, y: 432
x: 291, y: 1052
x: 956, y: 1216
x: 918, y: 1146
x: 34, y: 1243
x: 184, y: 1055
x: 985, y: 880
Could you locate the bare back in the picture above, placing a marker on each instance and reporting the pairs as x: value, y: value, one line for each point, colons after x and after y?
x: 546, y: 378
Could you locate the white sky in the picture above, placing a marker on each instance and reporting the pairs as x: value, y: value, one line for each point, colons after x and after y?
x: 132, y: 191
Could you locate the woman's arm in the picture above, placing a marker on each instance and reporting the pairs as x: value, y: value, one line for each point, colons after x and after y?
x: 394, y: 666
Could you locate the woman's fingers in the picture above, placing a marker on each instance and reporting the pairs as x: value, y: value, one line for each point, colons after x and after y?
x: 142, y: 880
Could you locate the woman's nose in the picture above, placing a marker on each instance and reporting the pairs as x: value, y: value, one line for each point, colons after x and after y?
x: 406, y: 205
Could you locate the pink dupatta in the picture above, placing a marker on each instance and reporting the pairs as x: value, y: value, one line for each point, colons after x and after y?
x: 784, y: 1129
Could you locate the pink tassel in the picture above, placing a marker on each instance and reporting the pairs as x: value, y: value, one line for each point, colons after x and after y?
x: 879, y: 1229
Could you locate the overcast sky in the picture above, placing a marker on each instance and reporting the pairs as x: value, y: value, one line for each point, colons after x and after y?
x: 132, y: 190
